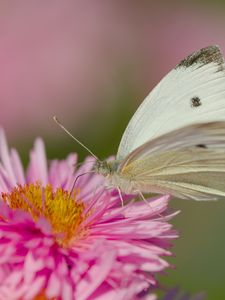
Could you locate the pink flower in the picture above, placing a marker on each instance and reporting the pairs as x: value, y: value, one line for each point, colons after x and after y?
x: 55, y: 244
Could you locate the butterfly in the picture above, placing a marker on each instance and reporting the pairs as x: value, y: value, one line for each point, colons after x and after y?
x: 175, y: 142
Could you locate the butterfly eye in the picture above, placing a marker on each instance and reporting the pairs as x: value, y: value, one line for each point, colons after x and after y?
x: 195, y: 102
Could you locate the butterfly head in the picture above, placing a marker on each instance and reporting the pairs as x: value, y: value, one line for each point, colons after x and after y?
x: 105, y: 168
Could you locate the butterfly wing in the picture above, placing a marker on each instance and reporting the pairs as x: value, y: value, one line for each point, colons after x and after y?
x: 188, y: 163
x: 193, y: 92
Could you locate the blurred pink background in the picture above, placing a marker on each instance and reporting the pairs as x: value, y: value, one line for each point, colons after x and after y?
x: 67, y: 58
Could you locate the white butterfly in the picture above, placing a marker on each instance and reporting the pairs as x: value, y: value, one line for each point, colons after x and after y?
x: 175, y: 142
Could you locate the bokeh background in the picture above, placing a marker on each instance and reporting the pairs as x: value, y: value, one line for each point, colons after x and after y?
x: 91, y: 63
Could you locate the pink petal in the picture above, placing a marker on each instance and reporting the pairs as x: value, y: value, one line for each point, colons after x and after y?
x: 37, y: 170
x: 17, y: 167
x: 95, y: 275
x: 67, y: 293
x: 5, y: 157
x: 54, y: 286
x: 35, y: 287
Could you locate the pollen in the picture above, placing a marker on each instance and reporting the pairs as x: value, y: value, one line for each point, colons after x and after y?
x: 63, y: 211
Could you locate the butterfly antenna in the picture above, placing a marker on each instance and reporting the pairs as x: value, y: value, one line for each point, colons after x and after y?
x: 70, y: 134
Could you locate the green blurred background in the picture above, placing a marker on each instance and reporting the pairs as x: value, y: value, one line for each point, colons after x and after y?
x: 92, y: 63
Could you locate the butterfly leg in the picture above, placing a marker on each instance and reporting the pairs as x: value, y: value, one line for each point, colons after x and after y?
x: 119, y: 192
x: 120, y: 195
x: 75, y: 181
x: 143, y: 198
x: 92, y: 202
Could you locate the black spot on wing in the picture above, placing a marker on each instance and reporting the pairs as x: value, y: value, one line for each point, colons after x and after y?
x: 195, y: 102
x: 201, y: 146
x: 202, y: 57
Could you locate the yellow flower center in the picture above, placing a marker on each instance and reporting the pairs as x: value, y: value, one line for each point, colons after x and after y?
x: 42, y: 296
x: 63, y: 211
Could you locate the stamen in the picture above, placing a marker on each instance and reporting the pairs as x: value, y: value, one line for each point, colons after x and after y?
x: 64, y: 211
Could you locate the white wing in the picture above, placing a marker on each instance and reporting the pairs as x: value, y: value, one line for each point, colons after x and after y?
x: 188, y: 163
x: 193, y: 92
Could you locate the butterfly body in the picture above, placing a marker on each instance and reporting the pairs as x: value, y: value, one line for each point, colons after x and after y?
x: 175, y: 142
x: 110, y: 169
x: 124, y: 180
